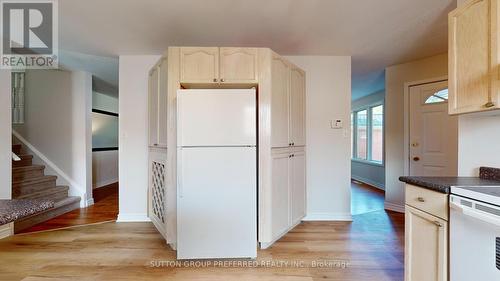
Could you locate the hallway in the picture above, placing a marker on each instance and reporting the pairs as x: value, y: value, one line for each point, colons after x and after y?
x: 365, y: 198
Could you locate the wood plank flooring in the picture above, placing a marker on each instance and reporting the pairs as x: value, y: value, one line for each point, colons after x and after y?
x: 365, y: 198
x: 105, y: 208
x: 372, y: 246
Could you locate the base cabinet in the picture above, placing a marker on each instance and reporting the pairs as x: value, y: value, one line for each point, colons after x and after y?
x: 426, y: 235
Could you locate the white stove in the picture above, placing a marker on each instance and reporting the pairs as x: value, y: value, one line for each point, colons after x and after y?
x: 475, y: 233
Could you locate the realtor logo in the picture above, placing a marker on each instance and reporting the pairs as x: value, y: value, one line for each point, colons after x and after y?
x: 29, y: 34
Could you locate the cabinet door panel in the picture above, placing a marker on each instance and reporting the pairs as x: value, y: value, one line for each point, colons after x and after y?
x: 279, y: 195
x: 297, y: 107
x: 280, y: 75
x: 469, y: 57
x: 298, y: 186
x: 162, y: 104
x: 238, y: 65
x: 426, y: 249
x: 153, y: 106
x: 199, y: 64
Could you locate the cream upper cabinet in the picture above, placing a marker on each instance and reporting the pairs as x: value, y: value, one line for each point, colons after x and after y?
x: 297, y: 107
x: 238, y: 65
x: 280, y: 77
x: 153, y: 105
x: 157, y: 103
x: 280, y: 205
x: 163, y: 103
x: 426, y: 246
x: 199, y: 65
x: 297, y: 181
x: 473, y: 58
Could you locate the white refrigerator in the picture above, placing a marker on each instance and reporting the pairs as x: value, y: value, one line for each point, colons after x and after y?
x: 216, y: 174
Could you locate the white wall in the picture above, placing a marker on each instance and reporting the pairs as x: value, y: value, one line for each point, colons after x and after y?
x: 328, y: 152
x: 370, y: 173
x: 104, y: 163
x: 5, y: 136
x: 58, y: 126
x: 133, y: 152
x: 395, y: 78
x: 478, y: 142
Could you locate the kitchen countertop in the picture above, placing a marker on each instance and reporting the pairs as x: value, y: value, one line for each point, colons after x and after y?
x: 15, y: 209
x: 443, y: 184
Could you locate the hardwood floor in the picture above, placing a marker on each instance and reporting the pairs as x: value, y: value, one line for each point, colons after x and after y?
x: 105, y: 208
x: 365, y: 198
x: 372, y: 246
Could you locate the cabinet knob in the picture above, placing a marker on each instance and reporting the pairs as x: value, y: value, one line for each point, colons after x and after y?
x: 215, y: 79
x: 489, y: 104
x: 421, y: 199
x: 222, y: 79
x: 293, y: 143
x: 290, y: 144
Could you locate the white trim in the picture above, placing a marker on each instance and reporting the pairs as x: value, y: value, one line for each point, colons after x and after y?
x: 406, y: 113
x: 133, y: 217
x: 378, y: 185
x: 394, y: 207
x: 368, y: 162
x: 104, y: 183
x: 74, y: 187
x: 328, y: 217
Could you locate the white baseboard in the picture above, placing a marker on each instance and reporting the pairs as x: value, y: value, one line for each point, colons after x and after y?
x: 140, y: 217
x: 328, y: 217
x: 369, y: 182
x: 394, y: 207
x: 265, y: 245
x: 104, y: 183
x: 90, y: 202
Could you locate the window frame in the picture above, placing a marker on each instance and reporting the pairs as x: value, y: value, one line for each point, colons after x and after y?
x: 369, y: 132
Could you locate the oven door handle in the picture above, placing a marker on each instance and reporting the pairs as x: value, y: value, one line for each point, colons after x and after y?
x: 476, y: 214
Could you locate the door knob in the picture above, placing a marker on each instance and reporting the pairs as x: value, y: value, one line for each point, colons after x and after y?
x: 416, y: 158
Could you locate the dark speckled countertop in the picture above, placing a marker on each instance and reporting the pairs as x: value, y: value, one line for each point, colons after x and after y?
x: 443, y: 184
x: 12, y: 210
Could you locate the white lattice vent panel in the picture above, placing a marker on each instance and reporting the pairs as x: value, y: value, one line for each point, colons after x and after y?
x: 158, y: 191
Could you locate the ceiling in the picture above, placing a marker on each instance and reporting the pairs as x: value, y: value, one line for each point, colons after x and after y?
x: 376, y: 33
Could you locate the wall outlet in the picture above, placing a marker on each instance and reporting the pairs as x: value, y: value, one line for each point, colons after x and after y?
x: 336, y: 124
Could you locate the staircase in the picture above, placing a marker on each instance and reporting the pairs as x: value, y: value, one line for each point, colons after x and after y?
x: 30, y: 182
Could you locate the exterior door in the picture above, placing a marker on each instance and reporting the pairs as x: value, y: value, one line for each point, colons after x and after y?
x: 433, y: 133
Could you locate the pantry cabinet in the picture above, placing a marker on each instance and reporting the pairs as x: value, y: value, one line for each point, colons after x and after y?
x: 280, y: 75
x: 474, y: 57
x: 157, y: 102
x: 214, y: 66
x: 297, y: 107
x: 287, y: 104
x: 288, y: 192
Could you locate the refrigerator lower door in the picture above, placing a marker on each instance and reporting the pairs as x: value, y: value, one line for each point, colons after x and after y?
x: 217, y: 203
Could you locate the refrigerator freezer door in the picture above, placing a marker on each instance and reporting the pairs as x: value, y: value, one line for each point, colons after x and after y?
x: 217, y: 203
x: 216, y: 117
